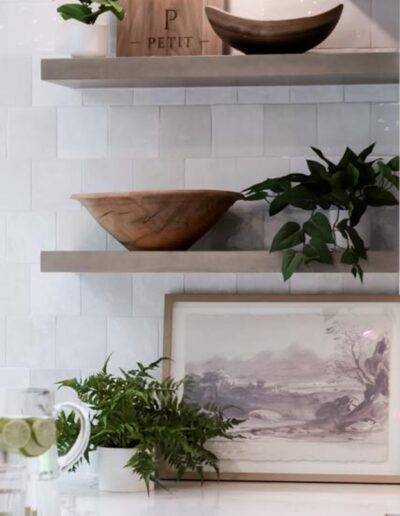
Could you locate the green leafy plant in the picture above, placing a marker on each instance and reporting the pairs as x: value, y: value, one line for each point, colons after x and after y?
x: 135, y: 410
x: 350, y: 187
x: 87, y: 11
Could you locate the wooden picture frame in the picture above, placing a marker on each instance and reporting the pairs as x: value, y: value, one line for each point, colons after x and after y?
x: 186, y: 313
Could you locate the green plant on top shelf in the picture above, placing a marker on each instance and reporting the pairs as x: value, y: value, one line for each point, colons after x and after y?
x: 87, y: 11
x: 133, y: 410
x: 349, y: 187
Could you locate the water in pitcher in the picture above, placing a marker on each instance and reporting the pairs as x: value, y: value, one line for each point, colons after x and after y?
x: 28, y: 439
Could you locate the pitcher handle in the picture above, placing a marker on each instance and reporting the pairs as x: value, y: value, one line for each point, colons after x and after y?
x: 82, y: 441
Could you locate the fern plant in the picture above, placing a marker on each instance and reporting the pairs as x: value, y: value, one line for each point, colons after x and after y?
x: 135, y: 410
x: 349, y: 186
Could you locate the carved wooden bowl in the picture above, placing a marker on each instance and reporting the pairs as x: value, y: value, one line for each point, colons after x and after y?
x: 158, y: 221
x: 273, y: 37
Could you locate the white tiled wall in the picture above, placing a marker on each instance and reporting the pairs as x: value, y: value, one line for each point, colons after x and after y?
x: 55, y: 141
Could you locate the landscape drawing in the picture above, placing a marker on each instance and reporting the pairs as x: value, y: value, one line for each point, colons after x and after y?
x: 311, y: 387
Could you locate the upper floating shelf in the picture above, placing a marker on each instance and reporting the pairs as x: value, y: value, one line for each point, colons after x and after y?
x: 243, y: 70
x: 195, y: 261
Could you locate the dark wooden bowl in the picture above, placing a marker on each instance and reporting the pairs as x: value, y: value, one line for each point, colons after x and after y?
x: 273, y: 37
x: 158, y: 221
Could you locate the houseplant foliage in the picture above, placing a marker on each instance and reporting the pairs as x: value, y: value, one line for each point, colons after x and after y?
x: 87, y: 11
x: 349, y: 187
x: 136, y: 411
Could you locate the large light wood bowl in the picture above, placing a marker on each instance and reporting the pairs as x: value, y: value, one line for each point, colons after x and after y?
x: 158, y: 221
x: 273, y: 37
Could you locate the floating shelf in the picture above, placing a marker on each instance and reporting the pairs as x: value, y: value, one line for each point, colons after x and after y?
x: 193, y: 261
x: 315, y: 67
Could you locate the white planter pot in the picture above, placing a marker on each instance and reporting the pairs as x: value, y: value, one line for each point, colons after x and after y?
x: 363, y: 228
x: 114, y: 476
x: 82, y: 40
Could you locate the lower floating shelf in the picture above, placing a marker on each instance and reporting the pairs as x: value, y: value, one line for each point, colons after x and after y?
x: 194, y: 261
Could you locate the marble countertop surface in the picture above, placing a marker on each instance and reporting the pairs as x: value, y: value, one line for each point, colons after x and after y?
x: 79, y: 497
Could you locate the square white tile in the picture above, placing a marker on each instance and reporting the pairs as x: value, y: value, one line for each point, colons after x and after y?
x: 158, y: 174
x: 134, y: 131
x: 108, y: 97
x: 82, y: 132
x: 81, y: 342
x: 57, y: 293
x: 15, y: 185
x: 106, y: 294
x: 107, y: 175
x: 210, y: 283
x: 385, y: 128
x: 159, y: 96
x: 28, y: 234
x: 78, y: 231
x: 14, y: 289
x: 32, y: 132
x: 31, y: 342
x: 149, y: 291
x: 210, y: 95
x: 53, y: 183
x: 343, y: 125
x: 15, y: 81
x: 318, y: 283
x: 313, y: 94
x: 237, y: 130
x: 263, y: 94
x: 132, y: 340
x: 290, y: 129
x: 259, y: 283
x: 185, y: 131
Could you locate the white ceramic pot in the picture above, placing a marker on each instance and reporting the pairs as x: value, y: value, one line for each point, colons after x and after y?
x: 363, y: 228
x: 114, y: 476
x: 82, y: 40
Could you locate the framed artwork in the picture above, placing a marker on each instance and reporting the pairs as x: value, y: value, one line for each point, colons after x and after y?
x: 316, y: 380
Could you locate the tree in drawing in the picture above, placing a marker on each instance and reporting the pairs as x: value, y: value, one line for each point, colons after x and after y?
x: 368, y: 364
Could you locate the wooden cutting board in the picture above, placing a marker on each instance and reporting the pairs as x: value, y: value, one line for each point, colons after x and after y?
x: 167, y: 28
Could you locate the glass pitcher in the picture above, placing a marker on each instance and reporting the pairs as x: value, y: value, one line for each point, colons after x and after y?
x: 28, y: 432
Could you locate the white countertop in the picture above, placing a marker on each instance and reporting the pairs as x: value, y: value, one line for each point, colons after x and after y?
x: 81, y: 498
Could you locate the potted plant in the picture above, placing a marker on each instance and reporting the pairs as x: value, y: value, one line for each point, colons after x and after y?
x: 349, y: 187
x: 137, y: 422
x: 86, y: 37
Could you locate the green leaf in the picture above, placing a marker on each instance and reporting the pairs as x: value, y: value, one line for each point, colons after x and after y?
x: 352, y: 175
x: 319, y: 228
x: 290, y: 235
x: 366, y: 152
x: 277, y: 205
x: 359, y: 208
x: 320, y: 154
x: 388, y: 174
x: 318, y: 251
x: 301, y: 197
x: 347, y: 158
x: 276, y: 185
x: 291, y: 262
x: 394, y: 164
x: 77, y: 12
x: 318, y: 170
x: 357, y: 270
x: 349, y: 257
x: 378, y: 196
x: 357, y: 242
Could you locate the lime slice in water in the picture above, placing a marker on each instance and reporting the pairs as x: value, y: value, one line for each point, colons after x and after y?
x: 15, y: 433
x: 32, y: 449
x: 44, y: 432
